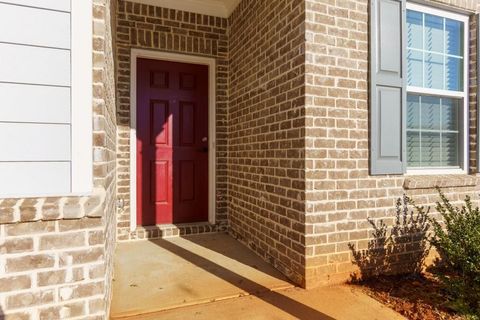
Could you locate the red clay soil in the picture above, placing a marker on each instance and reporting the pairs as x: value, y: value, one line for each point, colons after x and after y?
x: 416, y: 298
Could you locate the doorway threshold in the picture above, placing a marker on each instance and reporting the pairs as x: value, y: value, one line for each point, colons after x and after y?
x: 163, y: 231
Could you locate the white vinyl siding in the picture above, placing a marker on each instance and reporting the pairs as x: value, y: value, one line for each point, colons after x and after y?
x: 31, y: 26
x: 59, y: 5
x: 44, y: 142
x: 34, y: 178
x: 32, y: 103
x: 34, y: 65
x: 45, y: 97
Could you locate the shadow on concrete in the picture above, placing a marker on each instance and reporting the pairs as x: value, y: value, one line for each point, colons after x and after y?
x: 397, y: 249
x: 276, y: 299
x: 214, y: 242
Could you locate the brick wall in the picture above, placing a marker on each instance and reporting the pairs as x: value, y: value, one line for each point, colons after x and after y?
x: 266, y: 183
x: 340, y: 192
x: 56, y: 253
x: 292, y: 127
x: 148, y: 27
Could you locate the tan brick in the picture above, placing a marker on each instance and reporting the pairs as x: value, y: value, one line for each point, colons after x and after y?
x: 15, y: 283
x: 28, y: 299
x: 22, y: 315
x: 96, y: 271
x: 65, y: 311
x: 82, y: 256
x: 96, y: 305
x: 80, y: 291
x: 49, y: 278
x: 62, y: 241
x: 56, y: 277
x: 96, y: 237
x: 17, y: 245
x: 29, y: 228
x: 77, y: 224
x: 31, y: 262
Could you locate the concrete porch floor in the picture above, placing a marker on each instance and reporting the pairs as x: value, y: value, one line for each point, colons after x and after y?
x: 213, y: 276
x: 176, y: 272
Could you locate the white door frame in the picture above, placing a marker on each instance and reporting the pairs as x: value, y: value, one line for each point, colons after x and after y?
x: 175, y: 57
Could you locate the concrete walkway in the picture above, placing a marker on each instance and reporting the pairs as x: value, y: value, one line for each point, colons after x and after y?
x: 328, y: 303
x: 213, y: 276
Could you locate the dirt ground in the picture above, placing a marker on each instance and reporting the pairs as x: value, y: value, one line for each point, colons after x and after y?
x: 414, y: 297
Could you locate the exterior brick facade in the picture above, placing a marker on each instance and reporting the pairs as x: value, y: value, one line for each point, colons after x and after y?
x: 154, y: 28
x: 295, y: 114
x: 266, y: 144
x: 340, y: 192
x: 292, y: 151
x: 56, y: 254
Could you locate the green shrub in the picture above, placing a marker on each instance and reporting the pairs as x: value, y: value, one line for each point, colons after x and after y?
x: 457, y: 240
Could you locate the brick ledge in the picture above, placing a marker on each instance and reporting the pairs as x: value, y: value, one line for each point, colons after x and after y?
x: 442, y: 181
x: 53, y: 208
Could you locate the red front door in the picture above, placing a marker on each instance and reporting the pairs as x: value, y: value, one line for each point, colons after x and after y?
x: 172, y: 142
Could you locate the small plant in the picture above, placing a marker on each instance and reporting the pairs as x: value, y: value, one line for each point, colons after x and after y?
x: 396, y: 249
x: 457, y: 240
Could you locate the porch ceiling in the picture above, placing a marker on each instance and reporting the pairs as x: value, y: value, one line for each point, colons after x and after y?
x: 218, y: 8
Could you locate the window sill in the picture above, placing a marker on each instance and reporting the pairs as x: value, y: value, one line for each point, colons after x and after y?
x: 442, y: 181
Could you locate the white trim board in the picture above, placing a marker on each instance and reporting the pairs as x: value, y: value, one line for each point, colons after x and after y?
x: 82, y: 94
x: 174, y: 57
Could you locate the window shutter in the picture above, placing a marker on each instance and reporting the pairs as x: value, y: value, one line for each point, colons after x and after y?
x: 387, y: 86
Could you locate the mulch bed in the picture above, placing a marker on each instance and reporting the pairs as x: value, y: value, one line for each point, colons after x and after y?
x: 414, y: 297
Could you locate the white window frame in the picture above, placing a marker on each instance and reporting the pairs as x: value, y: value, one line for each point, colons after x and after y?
x: 463, y: 169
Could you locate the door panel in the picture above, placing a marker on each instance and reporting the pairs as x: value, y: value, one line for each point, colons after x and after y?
x: 187, y: 176
x: 187, y: 123
x: 160, y: 186
x: 172, y: 154
x: 159, y: 122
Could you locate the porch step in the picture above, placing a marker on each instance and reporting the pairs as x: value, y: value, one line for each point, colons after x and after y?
x: 165, y: 231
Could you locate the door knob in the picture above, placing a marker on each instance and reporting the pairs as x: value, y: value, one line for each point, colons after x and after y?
x: 204, y: 139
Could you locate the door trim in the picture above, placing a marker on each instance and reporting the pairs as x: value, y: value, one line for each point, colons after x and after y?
x: 174, y: 57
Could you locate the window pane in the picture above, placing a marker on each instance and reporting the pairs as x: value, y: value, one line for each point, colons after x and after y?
x: 430, y: 150
x: 430, y: 117
x: 433, y: 33
x: 435, y: 60
x: 454, y: 74
x: 414, y: 29
x: 413, y: 112
x: 450, y: 108
x: 454, y: 37
x: 434, y: 76
x: 450, y: 149
x: 415, y: 68
x: 413, y: 149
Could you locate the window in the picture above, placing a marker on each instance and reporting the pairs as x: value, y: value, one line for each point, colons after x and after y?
x: 45, y: 97
x: 418, y: 89
x: 436, y: 89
